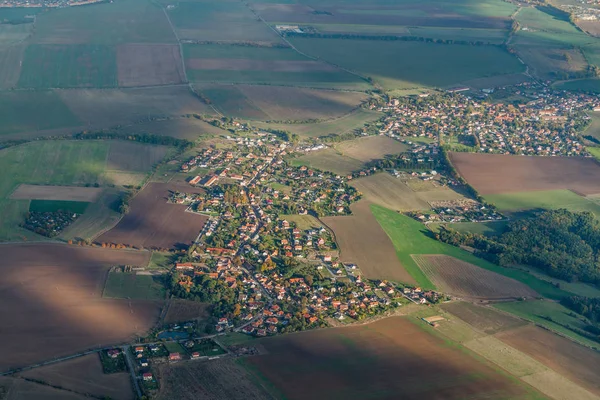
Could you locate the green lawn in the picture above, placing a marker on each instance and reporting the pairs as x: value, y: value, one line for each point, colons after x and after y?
x: 26, y: 111
x: 174, y: 347
x: 412, y: 237
x: 538, y: 310
x: 123, y: 285
x: 77, y: 207
x: 551, y: 199
x: 403, y: 65
x: 160, y: 260
x: 68, y: 66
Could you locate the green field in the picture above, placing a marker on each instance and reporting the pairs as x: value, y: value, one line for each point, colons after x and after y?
x: 77, y: 207
x: 412, y: 237
x: 482, y: 228
x: 338, y: 126
x: 161, y: 260
x: 577, y: 288
x: 26, y: 111
x: 581, y: 85
x: 174, y: 347
x: 124, y: 21
x: 242, y: 64
x: 67, y: 163
x: 123, y: 285
x: 404, y: 65
x: 539, y: 311
x: 223, y: 20
x: 594, y: 151
x: 551, y: 199
x: 64, y: 66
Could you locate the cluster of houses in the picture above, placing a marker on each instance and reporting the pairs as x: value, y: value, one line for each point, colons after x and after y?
x: 461, y: 210
x: 546, y: 125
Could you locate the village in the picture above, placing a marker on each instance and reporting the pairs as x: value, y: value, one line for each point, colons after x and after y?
x: 546, y: 123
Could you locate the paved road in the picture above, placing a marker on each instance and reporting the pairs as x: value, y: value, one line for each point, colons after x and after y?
x: 130, y: 365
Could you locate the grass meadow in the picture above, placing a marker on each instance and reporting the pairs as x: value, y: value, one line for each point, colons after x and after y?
x: 412, y: 237
x: 123, y: 285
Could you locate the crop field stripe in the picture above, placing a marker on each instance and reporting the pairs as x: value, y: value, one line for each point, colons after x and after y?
x: 77, y: 207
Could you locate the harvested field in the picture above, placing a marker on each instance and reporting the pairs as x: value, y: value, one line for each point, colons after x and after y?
x: 131, y: 156
x: 228, y: 64
x: 558, y: 387
x: 85, y: 375
x: 186, y: 310
x: 387, y: 359
x: 483, y: 319
x: 215, y: 380
x: 154, y: 223
x: 70, y: 193
x: 577, y: 363
x: 497, y: 173
x: 387, y: 191
x: 110, y: 107
x: 19, y: 389
x: 51, y: 300
x: 66, y: 66
x: 462, y: 279
x: 10, y: 65
x: 279, y: 103
x: 329, y: 160
x: 149, y: 64
x: 98, y: 217
x: 181, y: 128
x: 363, y: 242
x: 371, y: 148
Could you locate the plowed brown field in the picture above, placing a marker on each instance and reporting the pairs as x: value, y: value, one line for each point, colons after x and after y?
x: 154, y: 223
x: 497, y: 173
x: 460, y: 278
x: 362, y: 241
x: 85, y: 375
x: 577, y: 363
x: 51, y: 304
x: 388, y: 359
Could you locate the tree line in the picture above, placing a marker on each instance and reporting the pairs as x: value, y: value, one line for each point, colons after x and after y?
x: 563, y: 244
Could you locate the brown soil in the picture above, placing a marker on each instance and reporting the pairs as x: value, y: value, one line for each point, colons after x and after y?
x: 51, y: 304
x: 462, y: 279
x: 149, y: 65
x: 84, y: 375
x: 186, y: 310
x: 214, y: 380
x: 41, y: 192
x: 19, y: 389
x: 154, y: 223
x: 388, y: 359
x: 497, y: 173
x: 577, y: 363
x: 362, y: 241
x: 484, y: 319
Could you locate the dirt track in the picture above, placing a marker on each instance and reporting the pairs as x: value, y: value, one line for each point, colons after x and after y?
x: 51, y: 305
x: 497, y: 173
